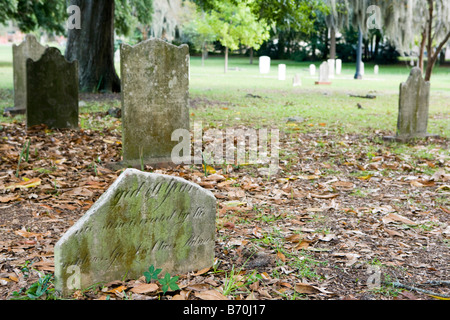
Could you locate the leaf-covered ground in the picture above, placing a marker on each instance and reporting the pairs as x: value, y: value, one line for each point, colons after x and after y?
x: 347, y: 217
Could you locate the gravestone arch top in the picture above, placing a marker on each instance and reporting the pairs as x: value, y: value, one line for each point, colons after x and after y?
x: 143, y: 219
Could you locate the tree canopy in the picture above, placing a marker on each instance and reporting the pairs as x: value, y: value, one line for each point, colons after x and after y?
x: 51, y: 15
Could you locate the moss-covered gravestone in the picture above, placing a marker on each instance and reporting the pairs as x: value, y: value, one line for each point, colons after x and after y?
x: 143, y: 219
x: 30, y: 48
x: 155, y: 93
x: 413, y: 107
x: 52, y: 91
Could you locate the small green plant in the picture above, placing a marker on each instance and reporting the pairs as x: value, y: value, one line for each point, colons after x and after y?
x: 37, y: 290
x: 152, y: 274
x: 24, y: 155
x: 169, y: 282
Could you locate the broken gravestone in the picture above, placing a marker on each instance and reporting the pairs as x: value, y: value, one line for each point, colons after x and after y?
x: 30, y: 48
x: 52, y: 91
x: 142, y: 220
x: 155, y: 93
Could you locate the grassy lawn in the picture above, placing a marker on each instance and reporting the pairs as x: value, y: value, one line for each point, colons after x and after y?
x: 244, y: 97
x: 329, y: 106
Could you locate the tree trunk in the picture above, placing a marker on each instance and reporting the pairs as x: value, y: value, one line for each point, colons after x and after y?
x: 332, y: 43
x: 251, y: 55
x: 359, y: 56
x: 93, y: 46
x: 226, y: 59
x: 432, y: 60
x: 422, y: 50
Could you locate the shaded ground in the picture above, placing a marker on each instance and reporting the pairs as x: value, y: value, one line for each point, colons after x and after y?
x: 348, y: 217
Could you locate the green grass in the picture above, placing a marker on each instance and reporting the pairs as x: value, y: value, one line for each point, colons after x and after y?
x: 221, y: 99
x: 225, y: 96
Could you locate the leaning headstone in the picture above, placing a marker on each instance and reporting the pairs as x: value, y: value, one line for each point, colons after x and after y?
x: 52, y: 91
x: 338, y: 66
x: 413, y: 107
x: 297, y: 81
x: 155, y: 93
x: 142, y: 220
x: 30, y: 48
x: 312, y: 70
x: 281, y: 72
x: 264, y: 65
x: 323, y: 74
x: 331, y: 68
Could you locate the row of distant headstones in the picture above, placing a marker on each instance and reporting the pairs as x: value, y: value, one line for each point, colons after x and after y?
x: 328, y: 69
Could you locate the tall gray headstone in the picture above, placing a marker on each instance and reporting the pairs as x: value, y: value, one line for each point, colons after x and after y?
x: 30, y: 48
x: 324, y: 74
x: 143, y: 219
x: 155, y: 93
x: 413, y: 106
x: 52, y: 91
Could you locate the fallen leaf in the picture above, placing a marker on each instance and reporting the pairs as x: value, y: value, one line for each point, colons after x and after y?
x: 210, y: 295
x: 25, y: 184
x: 445, y: 209
x: 281, y: 256
x: 203, y: 271
x: 144, y: 288
x: 302, y: 245
x: 393, y: 217
x: 305, y: 288
x: 9, y: 198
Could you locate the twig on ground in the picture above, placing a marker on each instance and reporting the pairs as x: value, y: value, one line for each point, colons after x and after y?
x: 411, y: 288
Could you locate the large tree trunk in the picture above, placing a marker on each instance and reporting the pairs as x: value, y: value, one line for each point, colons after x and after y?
x: 93, y: 46
x: 332, y: 43
x: 226, y: 59
x: 358, y: 75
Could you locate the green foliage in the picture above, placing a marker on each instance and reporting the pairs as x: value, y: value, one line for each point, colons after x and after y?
x: 51, y: 15
x: 234, y: 23
x: 32, y: 14
x: 152, y: 274
x: 133, y: 14
x: 169, y: 282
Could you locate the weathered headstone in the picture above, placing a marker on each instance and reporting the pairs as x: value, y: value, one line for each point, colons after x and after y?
x: 30, y: 48
x: 52, y: 91
x: 338, y: 66
x: 264, y: 65
x: 331, y: 68
x: 281, y: 72
x: 323, y: 74
x: 413, y: 107
x: 362, y: 71
x: 143, y: 219
x: 155, y: 93
x: 297, y: 81
x: 376, y: 69
x: 312, y: 70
